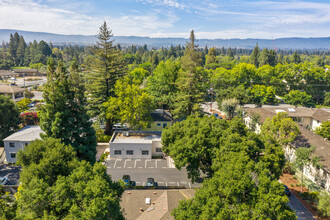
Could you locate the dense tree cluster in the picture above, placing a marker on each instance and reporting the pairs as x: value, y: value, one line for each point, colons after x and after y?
x: 56, y: 185
x: 242, y: 170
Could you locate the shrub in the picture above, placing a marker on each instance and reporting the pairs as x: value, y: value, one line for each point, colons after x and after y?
x: 289, y: 168
x: 104, y: 156
x: 29, y: 118
x: 324, y: 204
x: 101, y: 137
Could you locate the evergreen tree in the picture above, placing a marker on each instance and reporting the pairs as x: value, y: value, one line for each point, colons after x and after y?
x: 296, y: 58
x: 254, y: 58
x: 64, y: 115
x: 20, y: 51
x: 9, y: 117
x: 107, y: 66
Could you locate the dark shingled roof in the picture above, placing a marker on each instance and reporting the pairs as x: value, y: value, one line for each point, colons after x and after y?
x: 322, y: 145
x: 161, y: 115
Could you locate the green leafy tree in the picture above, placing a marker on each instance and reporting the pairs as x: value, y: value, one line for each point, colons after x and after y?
x: 229, y: 107
x: 55, y: 185
x: 162, y: 83
x: 327, y: 99
x: 324, y: 204
x: 131, y: 105
x: 303, y: 159
x: 239, y: 93
x: 280, y: 128
x: 211, y: 57
x: 7, y: 205
x: 64, y: 116
x: 107, y: 66
x: 296, y: 97
x: 324, y: 130
x: 261, y: 94
x: 192, y: 142
x: 237, y: 191
x: 9, y: 118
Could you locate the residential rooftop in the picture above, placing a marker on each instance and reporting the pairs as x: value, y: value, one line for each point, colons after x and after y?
x: 161, y: 115
x: 26, y: 134
x: 162, y: 203
x: 135, y: 137
x: 265, y: 112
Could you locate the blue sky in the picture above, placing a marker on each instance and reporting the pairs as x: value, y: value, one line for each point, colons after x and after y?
x: 171, y: 18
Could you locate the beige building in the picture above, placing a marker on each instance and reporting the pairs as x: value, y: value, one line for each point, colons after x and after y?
x: 135, y: 203
x: 16, y: 93
x: 307, y: 119
x: 131, y: 144
x: 160, y: 119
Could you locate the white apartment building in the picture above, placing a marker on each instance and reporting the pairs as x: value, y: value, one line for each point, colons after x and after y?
x: 19, y: 140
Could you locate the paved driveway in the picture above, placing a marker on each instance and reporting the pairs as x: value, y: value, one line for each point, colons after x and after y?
x: 141, y: 169
x: 300, y: 210
x: 12, y: 172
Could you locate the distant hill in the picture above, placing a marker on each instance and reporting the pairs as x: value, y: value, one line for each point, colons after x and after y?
x: 280, y: 43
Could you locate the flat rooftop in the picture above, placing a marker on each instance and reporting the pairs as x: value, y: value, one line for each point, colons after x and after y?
x: 132, y: 137
x: 28, y: 133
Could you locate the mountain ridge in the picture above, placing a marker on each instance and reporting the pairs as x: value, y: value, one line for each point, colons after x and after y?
x: 248, y: 43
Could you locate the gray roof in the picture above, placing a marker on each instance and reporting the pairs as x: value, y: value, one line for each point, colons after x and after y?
x: 26, y: 134
x: 265, y: 112
x: 161, y: 115
x: 10, y: 89
x: 137, y: 138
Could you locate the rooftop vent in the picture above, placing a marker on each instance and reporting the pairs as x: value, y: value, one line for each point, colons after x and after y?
x: 126, y: 133
x: 291, y: 110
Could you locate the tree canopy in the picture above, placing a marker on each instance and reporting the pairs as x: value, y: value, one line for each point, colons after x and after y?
x: 56, y: 185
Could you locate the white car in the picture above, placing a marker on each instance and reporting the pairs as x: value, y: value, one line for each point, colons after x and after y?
x: 3, y: 180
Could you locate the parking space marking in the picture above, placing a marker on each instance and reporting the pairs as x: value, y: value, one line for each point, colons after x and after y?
x: 143, y: 183
x: 157, y: 161
x: 135, y: 162
x: 178, y: 183
x: 114, y: 166
x: 189, y: 185
x: 166, y: 183
x: 145, y: 163
x: 126, y: 162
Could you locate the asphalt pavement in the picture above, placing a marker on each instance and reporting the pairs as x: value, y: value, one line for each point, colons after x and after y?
x: 140, y: 169
x: 12, y: 172
x: 300, y: 209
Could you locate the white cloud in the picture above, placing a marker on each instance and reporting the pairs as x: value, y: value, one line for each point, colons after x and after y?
x: 32, y: 16
x: 170, y: 3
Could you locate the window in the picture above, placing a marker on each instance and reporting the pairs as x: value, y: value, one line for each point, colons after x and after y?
x: 159, y: 124
x: 11, y: 144
x: 13, y: 155
x: 129, y: 152
x: 164, y: 125
x: 145, y: 152
x: 117, y: 152
x: 158, y: 149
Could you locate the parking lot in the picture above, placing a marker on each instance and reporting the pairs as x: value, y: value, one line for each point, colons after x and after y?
x: 164, y: 173
x: 138, y: 163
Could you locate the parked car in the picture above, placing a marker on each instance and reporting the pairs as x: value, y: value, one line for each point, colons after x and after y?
x: 3, y: 180
x: 217, y: 115
x: 287, y: 191
x: 127, y: 181
x: 32, y: 104
x: 151, y: 182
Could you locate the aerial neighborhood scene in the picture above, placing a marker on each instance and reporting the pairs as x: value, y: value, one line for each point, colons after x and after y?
x: 164, y: 109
